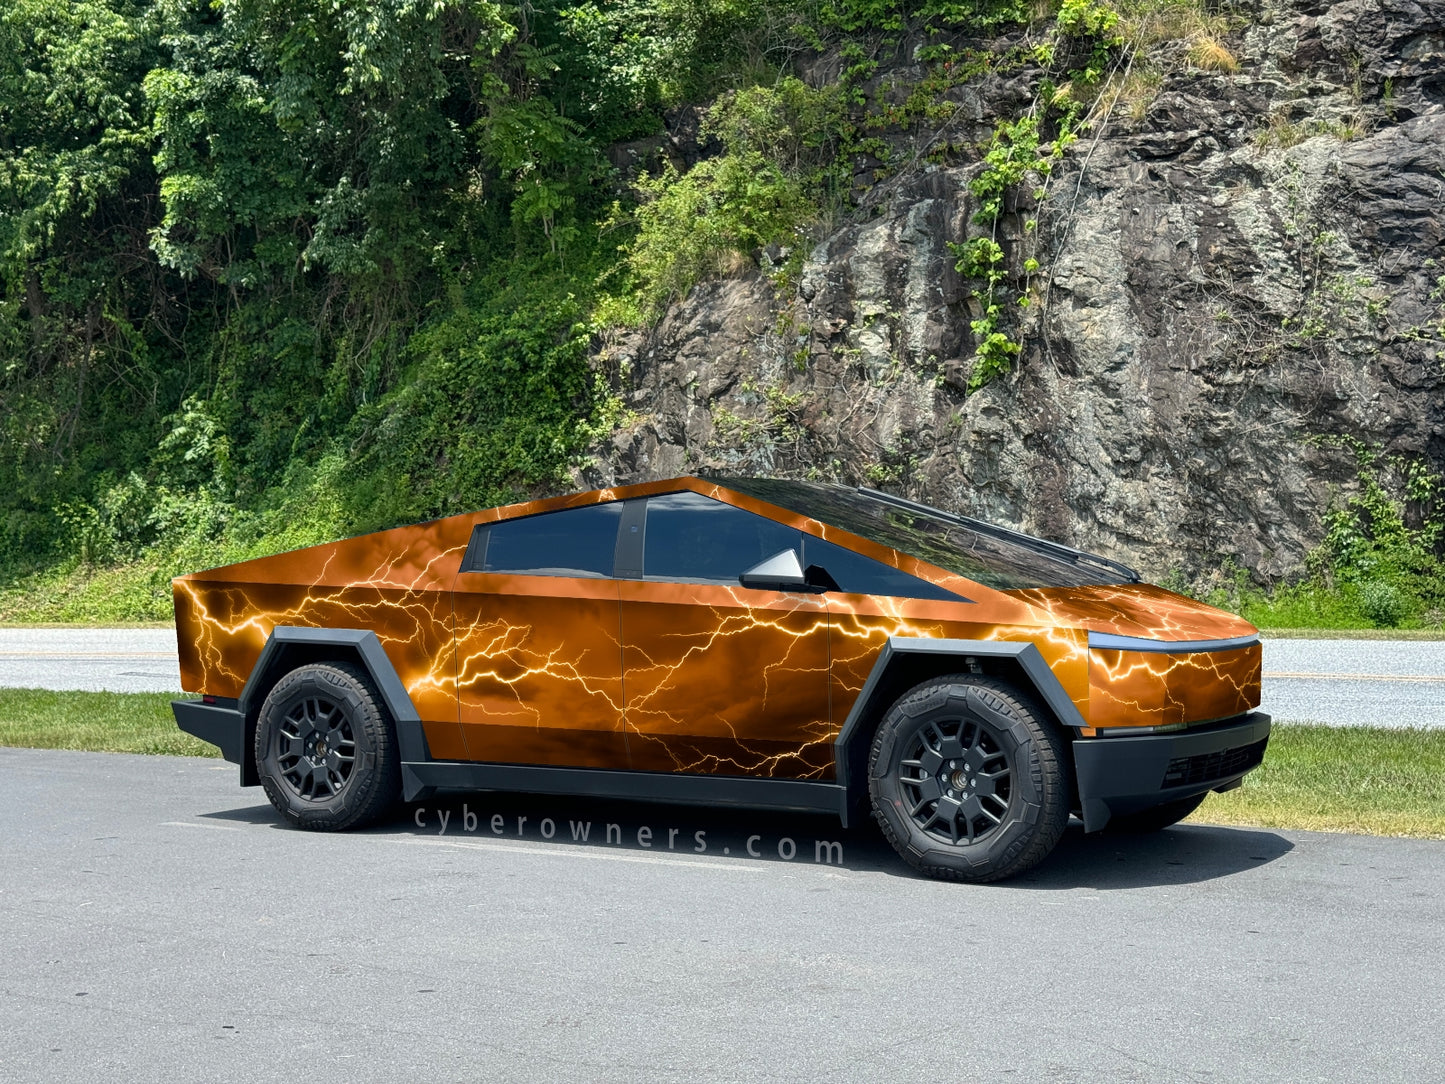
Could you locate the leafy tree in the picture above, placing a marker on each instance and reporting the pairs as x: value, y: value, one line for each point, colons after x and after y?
x: 78, y: 293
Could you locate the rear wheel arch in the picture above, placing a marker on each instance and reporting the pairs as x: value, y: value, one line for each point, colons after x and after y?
x: 288, y: 648
x: 906, y: 663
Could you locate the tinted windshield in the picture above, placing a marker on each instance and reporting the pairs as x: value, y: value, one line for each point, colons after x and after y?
x: 993, y: 556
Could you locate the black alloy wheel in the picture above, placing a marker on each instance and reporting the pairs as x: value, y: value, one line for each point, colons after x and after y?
x: 958, y: 779
x: 316, y: 749
x: 326, y: 748
x: 969, y: 779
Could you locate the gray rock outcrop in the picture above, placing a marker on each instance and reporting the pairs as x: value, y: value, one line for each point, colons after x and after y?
x: 1233, y: 288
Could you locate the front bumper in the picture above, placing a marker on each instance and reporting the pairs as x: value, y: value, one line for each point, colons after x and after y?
x: 223, y: 725
x: 1124, y: 775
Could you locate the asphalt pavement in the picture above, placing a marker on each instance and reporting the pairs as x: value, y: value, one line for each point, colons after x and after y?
x: 1389, y: 683
x: 1339, y: 682
x: 93, y: 660
x: 160, y: 924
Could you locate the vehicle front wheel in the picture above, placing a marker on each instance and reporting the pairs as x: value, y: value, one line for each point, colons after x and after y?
x: 1157, y: 817
x: 326, y: 748
x: 967, y: 779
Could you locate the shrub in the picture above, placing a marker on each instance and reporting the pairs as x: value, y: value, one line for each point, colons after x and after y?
x: 1383, y: 604
x: 779, y: 143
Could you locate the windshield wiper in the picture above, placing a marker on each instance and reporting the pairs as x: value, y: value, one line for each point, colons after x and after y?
x: 1039, y: 545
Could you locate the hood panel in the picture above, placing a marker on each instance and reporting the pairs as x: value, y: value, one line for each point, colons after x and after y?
x: 1138, y: 610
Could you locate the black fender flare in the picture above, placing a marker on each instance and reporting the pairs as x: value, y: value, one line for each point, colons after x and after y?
x: 850, y: 750
x: 291, y: 646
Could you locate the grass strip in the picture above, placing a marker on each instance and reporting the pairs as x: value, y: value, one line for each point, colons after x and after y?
x: 1329, y: 779
x: 98, y: 722
x: 1352, y: 634
x: 1365, y: 780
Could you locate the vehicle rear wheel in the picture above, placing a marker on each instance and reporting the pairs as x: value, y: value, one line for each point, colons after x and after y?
x: 967, y: 779
x: 1156, y: 818
x: 326, y: 748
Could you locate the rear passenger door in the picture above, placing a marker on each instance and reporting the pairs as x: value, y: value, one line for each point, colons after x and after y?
x: 538, y: 658
x: 719, y: 678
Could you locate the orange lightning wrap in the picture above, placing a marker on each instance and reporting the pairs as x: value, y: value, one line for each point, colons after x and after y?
x: 679, y: 677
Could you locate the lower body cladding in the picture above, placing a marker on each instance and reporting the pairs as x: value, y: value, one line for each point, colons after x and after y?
x: 1121, y: 775
x: 1116, y: 775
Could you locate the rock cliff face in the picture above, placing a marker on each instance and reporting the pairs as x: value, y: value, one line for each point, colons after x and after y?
x: 1230, y: 283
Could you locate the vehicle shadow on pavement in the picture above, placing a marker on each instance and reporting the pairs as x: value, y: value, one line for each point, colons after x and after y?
x: 1183, y: 854
x: 1180, y: 855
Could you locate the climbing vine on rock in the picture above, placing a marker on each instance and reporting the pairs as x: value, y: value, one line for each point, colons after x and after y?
x: 1026, y: 150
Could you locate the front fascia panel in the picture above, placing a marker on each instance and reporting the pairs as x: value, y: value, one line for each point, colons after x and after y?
x: 1161, y: 688
x: 1137, y: 610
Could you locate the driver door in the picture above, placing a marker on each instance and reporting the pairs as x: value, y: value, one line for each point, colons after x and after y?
x: 719, y: 679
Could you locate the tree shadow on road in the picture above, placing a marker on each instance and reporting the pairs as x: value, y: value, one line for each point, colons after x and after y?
x: 1184, y: 854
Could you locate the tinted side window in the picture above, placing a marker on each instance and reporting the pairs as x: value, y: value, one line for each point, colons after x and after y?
x: 574, y: 542
x: 696, y: 539
x: 861, y: 575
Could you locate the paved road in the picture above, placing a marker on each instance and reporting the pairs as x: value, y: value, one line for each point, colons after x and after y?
x: 1341, y: 682
x: 115, y: 660
x: 158, y: 924
x: 1394, y: 683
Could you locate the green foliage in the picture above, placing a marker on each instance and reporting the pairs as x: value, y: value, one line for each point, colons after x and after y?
x: 101, y: 722
x: 1088, y: 19
x: 1379, y: 565
x: 298, y: 134
x: 766, y: 186
x: 255, y: 260
x: 75, y: 127
x: 1383, y: 544
x: 1014, y: 154
x: 690, y: 225
x: 1083, y: 42
x: 983, y: 258
x: 1089, y: 30
x: 272, y: 271
x: 544, y: 156
x: 1359, y: 779
x: 888, y: 15
x: 498, y: 399
x: 982, y: 15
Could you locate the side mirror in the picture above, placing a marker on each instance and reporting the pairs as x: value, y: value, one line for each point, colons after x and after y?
x: 780, y: 572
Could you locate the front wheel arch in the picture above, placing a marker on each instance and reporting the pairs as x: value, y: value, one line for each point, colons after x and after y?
x: 907, y: 662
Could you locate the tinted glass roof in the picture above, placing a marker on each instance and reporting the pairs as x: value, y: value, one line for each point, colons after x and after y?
x: 985, y: 553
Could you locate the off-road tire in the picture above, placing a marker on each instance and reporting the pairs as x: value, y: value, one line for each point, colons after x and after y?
x: 336, y: 703
x: 1006, y: 747
x: 1156, y: 818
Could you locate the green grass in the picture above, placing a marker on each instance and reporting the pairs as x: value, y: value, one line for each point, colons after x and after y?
x: 99, y: 722
x: 75, y: 594
x: 1352, y: 634
x: 1342, y: 779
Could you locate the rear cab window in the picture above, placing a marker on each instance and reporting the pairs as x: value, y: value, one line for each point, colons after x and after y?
x: 580, y: 542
